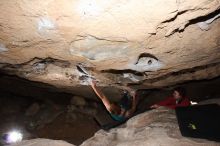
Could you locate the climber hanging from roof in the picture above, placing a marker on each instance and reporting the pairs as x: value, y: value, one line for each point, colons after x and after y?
x: 119, y: 111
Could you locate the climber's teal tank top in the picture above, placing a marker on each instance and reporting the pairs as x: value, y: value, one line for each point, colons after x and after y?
x: 118, y: 117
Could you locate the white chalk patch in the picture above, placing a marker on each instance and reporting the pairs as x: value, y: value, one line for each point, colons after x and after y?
x: 98, y: 54
x: 205, y: 24
x: 94, y: 48
x: 39, y: 67
x: 132, y: 77
x: 3, y: 48
x: 45, y: 23
x: 126, y: 75
x: 146, y: 64
x: 209, y: 21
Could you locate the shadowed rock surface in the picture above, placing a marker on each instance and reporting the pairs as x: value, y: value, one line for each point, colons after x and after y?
x: 157, y: 127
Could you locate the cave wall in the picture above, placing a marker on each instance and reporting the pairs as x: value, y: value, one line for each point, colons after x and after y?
x: 145, y: 44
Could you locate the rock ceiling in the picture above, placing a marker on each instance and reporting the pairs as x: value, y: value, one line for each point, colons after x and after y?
x: 147, y: 44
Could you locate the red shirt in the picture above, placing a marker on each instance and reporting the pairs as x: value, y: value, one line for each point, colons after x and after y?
x: 170, y: 102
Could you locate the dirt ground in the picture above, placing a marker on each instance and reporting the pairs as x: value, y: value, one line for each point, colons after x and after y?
x: 75, y: 130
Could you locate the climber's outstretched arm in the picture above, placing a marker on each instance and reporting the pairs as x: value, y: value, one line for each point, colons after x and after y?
x: 104, y: 99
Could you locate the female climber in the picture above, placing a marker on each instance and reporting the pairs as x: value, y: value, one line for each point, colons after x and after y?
x: 118, y: 111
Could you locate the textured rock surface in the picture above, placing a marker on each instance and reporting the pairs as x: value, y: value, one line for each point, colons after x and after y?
x: 155, y: 128
x: 42, y: 142
x: 152, y: 43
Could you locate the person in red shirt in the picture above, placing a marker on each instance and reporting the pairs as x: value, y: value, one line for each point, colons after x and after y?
x: 178, y: 99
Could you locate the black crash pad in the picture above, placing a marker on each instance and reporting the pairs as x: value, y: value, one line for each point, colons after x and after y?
x: 200, y: 121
